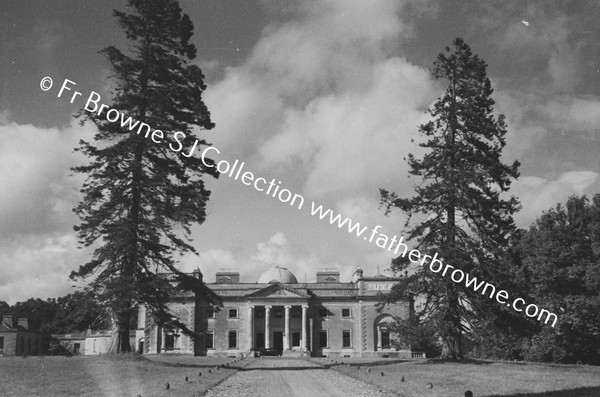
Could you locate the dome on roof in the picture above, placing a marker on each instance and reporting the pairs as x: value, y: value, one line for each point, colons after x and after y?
x: 278, y: 275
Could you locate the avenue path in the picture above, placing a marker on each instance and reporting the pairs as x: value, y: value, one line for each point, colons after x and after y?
x: 292, y: 377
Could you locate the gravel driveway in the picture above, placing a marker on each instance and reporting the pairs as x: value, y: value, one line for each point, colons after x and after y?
x: 292, y: 377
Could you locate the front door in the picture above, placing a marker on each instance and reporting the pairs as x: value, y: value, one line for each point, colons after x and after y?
x: 278, y: 340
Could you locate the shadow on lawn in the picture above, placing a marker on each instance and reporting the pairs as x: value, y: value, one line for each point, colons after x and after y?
x: 464, y: 361
x: 412, y: 361
x: 579, y: 392
x: 297, y: 368
x: 190, y: 365
x: 238, y: 367
x: 375, y: 363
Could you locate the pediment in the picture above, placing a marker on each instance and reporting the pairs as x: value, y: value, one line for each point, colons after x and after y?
x: 278, y: 291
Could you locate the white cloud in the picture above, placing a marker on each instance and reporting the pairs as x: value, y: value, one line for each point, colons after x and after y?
x: 579, y: 180
x: 320, y: 95
x: 39, y: 248
x: 209, y: 262
x: 574, y: 114
x: 37, y: 266
x: 539, y: 194
x: 37, y: 188
x: 366, y: 211
x: 275, y: 251
x: 353, y: 141
x: 5, y: 117
x: 532, y: 118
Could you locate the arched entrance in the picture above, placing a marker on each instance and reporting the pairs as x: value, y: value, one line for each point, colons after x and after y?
x: 383, y: 340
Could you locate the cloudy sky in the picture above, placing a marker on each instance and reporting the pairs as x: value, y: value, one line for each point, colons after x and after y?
x: 324, y: 96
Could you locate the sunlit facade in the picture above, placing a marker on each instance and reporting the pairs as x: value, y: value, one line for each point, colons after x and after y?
x: 324, y: 318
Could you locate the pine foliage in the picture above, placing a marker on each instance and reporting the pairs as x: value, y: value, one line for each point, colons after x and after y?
x: 141, y: 197
x: 459, y: 209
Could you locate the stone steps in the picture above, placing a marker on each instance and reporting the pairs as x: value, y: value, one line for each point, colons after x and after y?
x: 294, y: 353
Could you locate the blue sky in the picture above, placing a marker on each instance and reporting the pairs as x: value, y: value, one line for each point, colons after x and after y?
x: 324, y: 96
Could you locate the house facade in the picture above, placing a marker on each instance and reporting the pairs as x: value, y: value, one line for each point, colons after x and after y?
x: 16, y: 339
x: 326, y: 318
x: 91, y: 342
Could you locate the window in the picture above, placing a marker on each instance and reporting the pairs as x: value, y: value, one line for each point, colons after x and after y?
x: 1, y: 342
x: 323, y: 339
x: 278, y: 312
x: 346, y: 340
x: 346, y: 313
x: 232, y: 338
x: 209, y: 340
x: 76, y: 348
x: 260, y: 340
x: 210, y: 312
x: 323, y: 312
x: 233, y: 313
x: 295, y: 339
x: 385, y: 338
x: 169, y: 341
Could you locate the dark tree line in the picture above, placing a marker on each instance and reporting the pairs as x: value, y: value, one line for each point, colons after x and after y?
x: 66, y: 314
x: 556, y: 264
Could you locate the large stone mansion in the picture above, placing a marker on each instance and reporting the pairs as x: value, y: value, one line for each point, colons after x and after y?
x: 328, y: 317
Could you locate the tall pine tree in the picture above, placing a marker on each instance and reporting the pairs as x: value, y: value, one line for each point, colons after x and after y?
x: 141, y: 197
x: 458, y: 210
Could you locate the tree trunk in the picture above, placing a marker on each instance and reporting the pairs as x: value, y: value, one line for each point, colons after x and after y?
x: 119, y: 342
x: 453, y: 338
x: 452, y: 347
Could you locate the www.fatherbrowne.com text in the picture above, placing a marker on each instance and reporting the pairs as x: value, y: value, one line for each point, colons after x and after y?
x: 273, y: 188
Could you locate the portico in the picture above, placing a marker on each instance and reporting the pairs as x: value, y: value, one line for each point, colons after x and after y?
x: 285, y: 334
x: 278, y: 318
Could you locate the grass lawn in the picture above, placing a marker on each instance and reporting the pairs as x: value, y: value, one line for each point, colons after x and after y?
x: 130, y: 375
x: 483, y: 379
x: 147, y: 375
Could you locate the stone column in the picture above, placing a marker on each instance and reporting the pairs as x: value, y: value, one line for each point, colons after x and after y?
x: 286, y: 333
x: 379, y: 344
x: 304, y: 341
x: 267, y: 325
x: 250, y: 328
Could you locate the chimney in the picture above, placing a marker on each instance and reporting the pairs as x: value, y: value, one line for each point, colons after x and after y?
x: 227, y: 276
x: 198, y: 274
x: 358, y: 273
x: 328, y: 276
x: 23, y: 322
x: 8, y: 321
